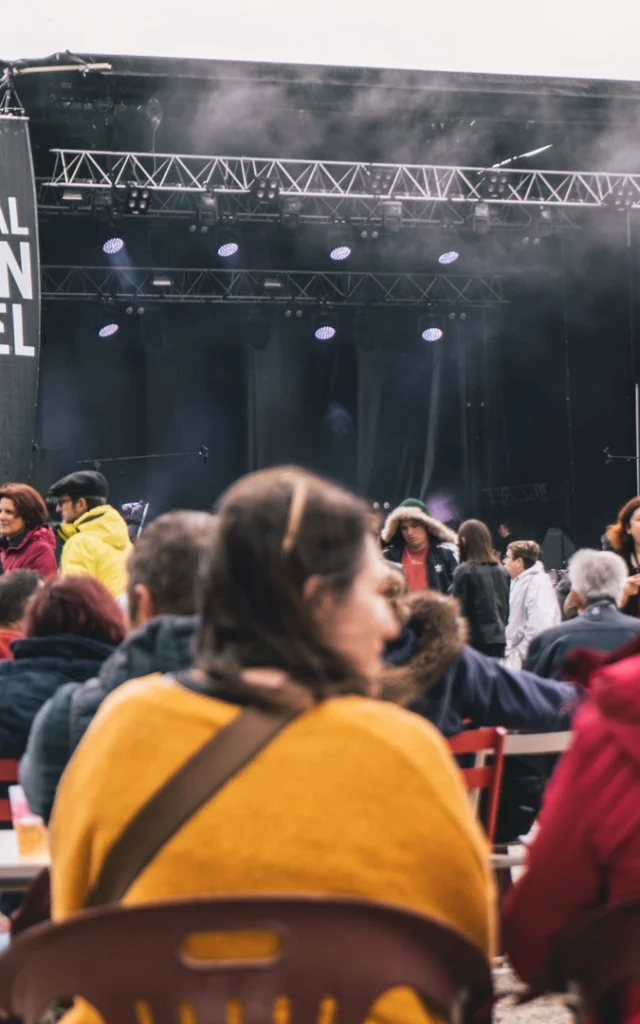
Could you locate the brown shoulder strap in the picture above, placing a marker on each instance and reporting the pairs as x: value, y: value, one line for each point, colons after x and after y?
x: 181, y: 796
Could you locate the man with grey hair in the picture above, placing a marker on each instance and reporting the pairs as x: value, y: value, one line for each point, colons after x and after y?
x: 597, y: 581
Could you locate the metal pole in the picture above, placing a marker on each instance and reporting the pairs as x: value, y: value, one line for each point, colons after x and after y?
x: 637, y: 438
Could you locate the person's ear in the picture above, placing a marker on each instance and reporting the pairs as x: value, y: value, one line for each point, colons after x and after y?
x: 576, y: 600
x: 143, y: 605
x: 318, y: 597
x: 81, y: 504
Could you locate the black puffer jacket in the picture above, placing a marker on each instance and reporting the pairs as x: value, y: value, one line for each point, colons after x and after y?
x: 483, y: 593
x: 41, y: 665
x: 164, y: 644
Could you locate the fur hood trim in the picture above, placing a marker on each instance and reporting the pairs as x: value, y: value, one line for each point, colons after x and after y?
x: 404, y: 512
x: 441, y: 633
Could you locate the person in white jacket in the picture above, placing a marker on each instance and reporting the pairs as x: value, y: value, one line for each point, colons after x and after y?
x: 533, y: 605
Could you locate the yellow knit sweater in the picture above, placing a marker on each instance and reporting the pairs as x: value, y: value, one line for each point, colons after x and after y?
x: 355, y: 797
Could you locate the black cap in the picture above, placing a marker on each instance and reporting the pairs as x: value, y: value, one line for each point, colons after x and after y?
x: 86, y: 483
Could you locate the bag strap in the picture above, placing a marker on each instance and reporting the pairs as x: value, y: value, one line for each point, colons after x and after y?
x: 199, y: 779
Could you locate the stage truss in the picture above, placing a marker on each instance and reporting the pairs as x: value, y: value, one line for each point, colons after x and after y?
x: 331, y: 190
x: 299, y: 288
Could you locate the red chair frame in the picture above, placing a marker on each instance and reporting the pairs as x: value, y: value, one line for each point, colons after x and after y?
x: 8, y: 776
x: 483, y: 776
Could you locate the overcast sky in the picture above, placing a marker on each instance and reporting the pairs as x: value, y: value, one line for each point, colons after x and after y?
x: 574, y: 38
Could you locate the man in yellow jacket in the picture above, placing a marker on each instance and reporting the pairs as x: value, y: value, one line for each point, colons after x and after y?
x: 96, y: 539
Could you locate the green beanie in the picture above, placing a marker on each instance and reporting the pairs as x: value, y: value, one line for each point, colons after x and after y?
x: 414, y: 503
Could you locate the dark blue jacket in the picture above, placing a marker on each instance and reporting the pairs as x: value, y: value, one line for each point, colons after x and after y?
x: 601, y: 627
x: 164, y: 644
x: 438, y: 676
x: 40, y: 666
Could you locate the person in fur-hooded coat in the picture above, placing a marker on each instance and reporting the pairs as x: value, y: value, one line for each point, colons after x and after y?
x: 425, y: 548
x: 431, y: 670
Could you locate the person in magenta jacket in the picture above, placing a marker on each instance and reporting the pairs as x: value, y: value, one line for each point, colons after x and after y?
x: 26, y: 542
x: 587, y: 850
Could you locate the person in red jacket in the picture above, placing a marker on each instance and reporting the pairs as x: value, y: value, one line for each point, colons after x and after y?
x: 587, y: 850
x: 26, y: 542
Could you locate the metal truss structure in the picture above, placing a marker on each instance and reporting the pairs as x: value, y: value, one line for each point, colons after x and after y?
x: 517, y: 495
x: 360, y: 212
x: 200, y: 285
x: 336, y: 181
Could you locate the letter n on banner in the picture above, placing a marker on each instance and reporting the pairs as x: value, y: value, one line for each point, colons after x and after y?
x: 19, y: 300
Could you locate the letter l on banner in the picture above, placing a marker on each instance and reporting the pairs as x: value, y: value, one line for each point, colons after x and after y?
x: 19, y: 300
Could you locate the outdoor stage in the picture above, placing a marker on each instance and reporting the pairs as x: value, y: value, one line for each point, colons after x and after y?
x: 476, y: 344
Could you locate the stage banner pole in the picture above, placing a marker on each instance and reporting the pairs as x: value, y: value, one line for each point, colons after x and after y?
x: 19, y: 300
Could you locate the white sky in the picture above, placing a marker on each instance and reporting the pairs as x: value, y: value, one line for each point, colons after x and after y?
x: 572, y: 38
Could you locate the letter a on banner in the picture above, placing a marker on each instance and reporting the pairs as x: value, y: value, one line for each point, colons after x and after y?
x: 19, y: 300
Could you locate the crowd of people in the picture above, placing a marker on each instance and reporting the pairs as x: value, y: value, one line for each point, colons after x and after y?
x: 119, y: 661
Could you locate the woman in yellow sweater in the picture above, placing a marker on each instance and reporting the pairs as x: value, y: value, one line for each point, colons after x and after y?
x: 354, y: 797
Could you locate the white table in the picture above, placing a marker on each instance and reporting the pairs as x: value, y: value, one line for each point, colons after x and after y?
x: 16, y: 872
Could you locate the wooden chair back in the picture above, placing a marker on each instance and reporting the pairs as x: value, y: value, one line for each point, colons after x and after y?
x: 483, y: 744
x: 349, y: 950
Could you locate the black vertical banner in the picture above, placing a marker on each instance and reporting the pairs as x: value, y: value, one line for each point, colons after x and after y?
x: 19, y: 300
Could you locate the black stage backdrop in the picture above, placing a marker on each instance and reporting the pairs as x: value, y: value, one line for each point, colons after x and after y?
x: 19, y: 300
x: 531, y: 392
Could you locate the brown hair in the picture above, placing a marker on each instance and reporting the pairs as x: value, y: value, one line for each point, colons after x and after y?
x: 475, y: 543
x: 275, y: 530
x: 166, y: 559
x: 76, y: 606
x: 28, y: 503
x: 527, y: 550
x: 618, y: 534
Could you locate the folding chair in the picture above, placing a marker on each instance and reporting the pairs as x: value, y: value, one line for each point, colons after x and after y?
x: 484, y: 743
x: 346, y: 950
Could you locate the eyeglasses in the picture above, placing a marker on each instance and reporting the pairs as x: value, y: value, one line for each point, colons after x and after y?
x: 63, y: 501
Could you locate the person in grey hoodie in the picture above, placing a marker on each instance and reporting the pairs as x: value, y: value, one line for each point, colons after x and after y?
x: 162, y: 582
x: 533, y: 605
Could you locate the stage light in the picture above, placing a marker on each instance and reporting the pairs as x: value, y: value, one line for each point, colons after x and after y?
x: 290, y: 211
x: 432, y: 334
x: 391, y: 210
x: 340, y: 252
x: 448, y: 257
x: 228, y: 249
x: 325, y: 332
x: 108, y: 330
x: 162, y: 281
x: 340, y: 242
x: 325, y: 326
x: 273, y: 284
x: 208, y: 213
x: 480, y: 218
x: 138, y: 200
x: 112, y: 246
x: 430, y: 327
x: 72, y: 195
